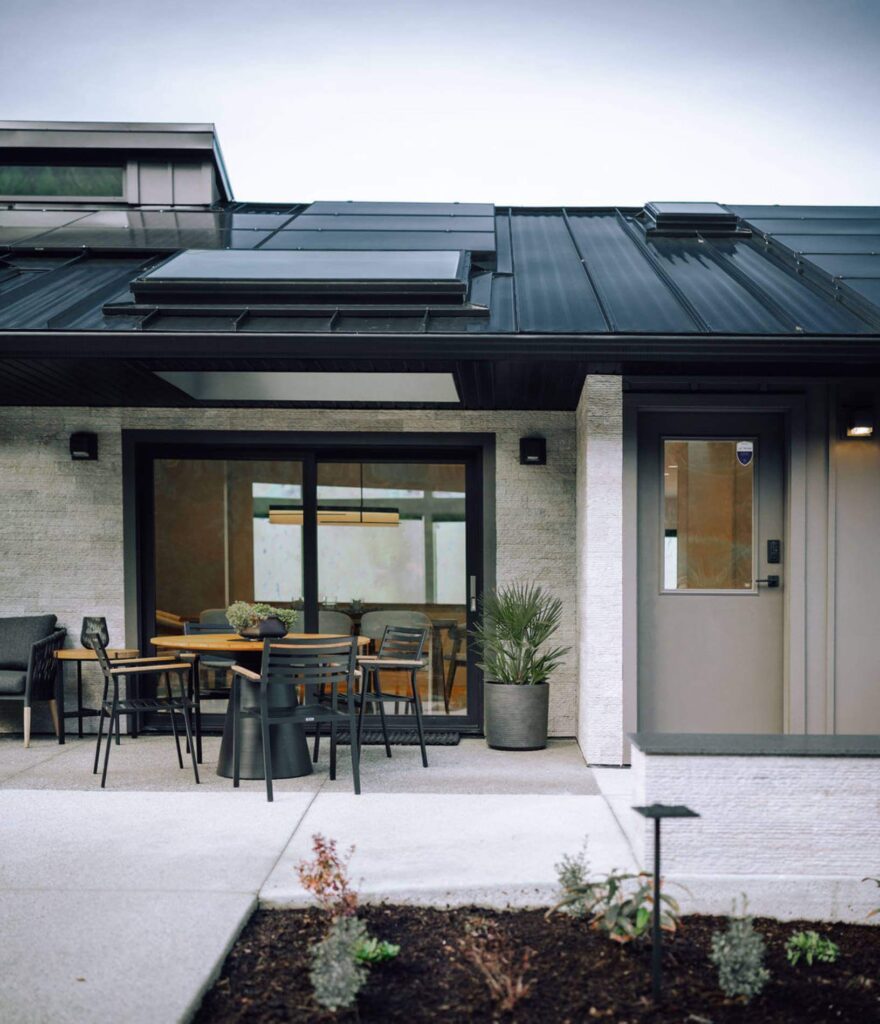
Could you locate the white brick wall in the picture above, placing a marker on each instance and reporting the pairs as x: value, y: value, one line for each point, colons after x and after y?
x: 796, y: 834
x: 600, y: 569
x: 61, y: 546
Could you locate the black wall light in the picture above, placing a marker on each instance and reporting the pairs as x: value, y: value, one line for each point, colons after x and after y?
x: 533, y: 451
x: 84, y: 447
x: 858, y: 421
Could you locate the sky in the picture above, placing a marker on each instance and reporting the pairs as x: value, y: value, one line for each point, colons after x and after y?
x: 551, y: 102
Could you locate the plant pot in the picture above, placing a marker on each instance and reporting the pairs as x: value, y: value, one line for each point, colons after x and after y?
x: 516, y: 716
x: 265, y: 629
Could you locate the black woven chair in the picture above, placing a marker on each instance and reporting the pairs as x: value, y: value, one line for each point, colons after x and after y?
x: 28, y: 666
x: 401, y: 650
x: 325, y: 672
x: 113, y: 707
x: 217, y: 664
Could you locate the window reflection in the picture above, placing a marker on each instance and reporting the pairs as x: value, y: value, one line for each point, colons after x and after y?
x: 708, y: 490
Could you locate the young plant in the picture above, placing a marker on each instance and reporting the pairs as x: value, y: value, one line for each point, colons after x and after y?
x: 810, y: 946
x: 326, y: 877
x: 375, y: 951
x: 515, y: 625
x: 337, y: 974
x: 242, y: 615
x: 621, y: 905
x: 503, y: 969
x: 738, y: 954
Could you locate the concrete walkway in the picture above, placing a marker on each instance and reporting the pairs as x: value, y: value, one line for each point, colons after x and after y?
x: 121, y: 905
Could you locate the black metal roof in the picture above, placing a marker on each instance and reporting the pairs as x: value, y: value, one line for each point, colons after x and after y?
x: 551, y: 293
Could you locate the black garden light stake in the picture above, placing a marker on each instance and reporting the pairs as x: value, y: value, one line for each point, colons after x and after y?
x: 658, y: 812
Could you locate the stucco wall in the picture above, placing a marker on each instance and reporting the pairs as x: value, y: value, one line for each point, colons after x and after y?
x: 600, y: 569
x: 61, y: 538
x: 796, y: 834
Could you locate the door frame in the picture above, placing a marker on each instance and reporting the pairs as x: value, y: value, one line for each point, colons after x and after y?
x: 792, y: 409
x: 141, y: 447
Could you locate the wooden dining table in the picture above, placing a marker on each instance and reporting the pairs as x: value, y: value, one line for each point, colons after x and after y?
x: 290, y: 752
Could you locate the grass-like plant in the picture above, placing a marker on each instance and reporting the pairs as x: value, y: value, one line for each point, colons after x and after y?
x: 502, y: 966
x: 242, y: 615
x: 621, y: 905
x: 810, y: 946
x: 514, y: 628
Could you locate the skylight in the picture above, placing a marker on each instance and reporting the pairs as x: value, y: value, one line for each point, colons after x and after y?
x: 337, y: 277
x: 690, y: 218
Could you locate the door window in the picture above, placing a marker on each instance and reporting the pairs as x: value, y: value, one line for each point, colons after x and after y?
x: 708, y: 513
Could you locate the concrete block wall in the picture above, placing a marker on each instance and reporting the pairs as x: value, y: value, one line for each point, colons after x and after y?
x: 796, y: 834
x: 61, y: 539
x: 600, y: 569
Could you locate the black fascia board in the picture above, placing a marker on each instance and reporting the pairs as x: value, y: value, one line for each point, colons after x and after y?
x: 678, y: 352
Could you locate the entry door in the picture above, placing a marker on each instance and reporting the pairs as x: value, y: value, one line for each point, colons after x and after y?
x: 710, y: 625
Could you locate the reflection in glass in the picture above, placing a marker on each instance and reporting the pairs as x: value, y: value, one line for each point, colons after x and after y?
x: 708, y: 513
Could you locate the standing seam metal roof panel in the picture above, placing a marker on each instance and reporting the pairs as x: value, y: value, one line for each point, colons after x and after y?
x: 553, y: 292
x: 635, y: 297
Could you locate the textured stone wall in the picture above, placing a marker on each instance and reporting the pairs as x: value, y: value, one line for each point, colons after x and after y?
x: 796, y: 834
x: 61, y: 544
x: 600, y: 569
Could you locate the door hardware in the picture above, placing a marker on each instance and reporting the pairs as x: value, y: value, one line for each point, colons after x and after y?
x: 774, y: 552
x: 772, y: 582
x: 473, y: 593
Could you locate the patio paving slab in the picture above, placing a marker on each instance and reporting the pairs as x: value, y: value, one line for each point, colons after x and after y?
x: 491, y: 850
x: 96, y: 957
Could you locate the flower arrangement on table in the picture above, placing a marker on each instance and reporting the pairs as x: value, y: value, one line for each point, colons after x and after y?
x: 261, y: 620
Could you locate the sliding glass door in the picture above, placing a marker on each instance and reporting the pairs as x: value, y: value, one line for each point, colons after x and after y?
x: 356, y: 539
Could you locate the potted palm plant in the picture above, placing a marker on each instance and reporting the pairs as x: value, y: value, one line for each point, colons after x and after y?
x: 512, y: 639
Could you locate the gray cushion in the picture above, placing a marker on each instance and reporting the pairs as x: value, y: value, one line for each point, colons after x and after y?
x: 12, y: 681
x: 18, y: 635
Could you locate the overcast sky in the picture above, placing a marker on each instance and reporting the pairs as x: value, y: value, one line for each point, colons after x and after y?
x: 580, y: 102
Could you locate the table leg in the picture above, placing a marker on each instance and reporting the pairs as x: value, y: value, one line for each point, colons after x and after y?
x: 59, y: 697
x: 79, y: 700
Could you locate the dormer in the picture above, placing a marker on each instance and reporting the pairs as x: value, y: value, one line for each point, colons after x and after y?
x: 110, y: 165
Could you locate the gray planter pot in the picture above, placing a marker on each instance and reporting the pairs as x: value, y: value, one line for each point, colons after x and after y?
x: 270, y: 629
x: 516, y: 716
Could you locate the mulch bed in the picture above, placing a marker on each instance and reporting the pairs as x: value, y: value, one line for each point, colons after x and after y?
x: 578, y: 975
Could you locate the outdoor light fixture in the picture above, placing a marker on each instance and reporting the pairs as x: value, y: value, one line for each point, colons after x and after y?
x: 658, y: 812
x: 84, y: 447
x: 859, y: 421
x: 533, y: 451
x: 337, y: 515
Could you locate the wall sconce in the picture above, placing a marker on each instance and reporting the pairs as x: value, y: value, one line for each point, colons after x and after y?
x: 532, y: 451
x: 859, y: 421
x: 84, y: 447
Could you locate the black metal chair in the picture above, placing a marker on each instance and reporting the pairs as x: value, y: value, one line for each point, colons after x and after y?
x: 218, y: 664
x: 316, y: 666
x: 457, y: 659
x: 27, y: 664
x: 402, y: 649
x: 113, y: 707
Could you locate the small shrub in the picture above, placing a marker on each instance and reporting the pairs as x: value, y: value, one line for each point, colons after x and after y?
x: 337, y: 974
x: 738, y: 954
x: 326, y: 877
x: 621, y: 905
x: 375, y: 951
x: 810, y: 946
x: 242, y: 615
x: 503, y: 969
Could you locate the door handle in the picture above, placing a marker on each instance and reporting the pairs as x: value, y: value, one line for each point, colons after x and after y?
x: 771, y: 582
x: 473, y: 593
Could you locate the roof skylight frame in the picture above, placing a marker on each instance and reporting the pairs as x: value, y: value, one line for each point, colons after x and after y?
x: 328, y: 277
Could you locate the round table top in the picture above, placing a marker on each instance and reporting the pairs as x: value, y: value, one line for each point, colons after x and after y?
x: 217, y: 642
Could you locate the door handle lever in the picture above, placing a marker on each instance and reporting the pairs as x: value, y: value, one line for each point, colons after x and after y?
x: 772, y: 582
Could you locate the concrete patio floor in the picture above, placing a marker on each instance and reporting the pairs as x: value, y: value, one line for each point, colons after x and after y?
x: 121, y: 904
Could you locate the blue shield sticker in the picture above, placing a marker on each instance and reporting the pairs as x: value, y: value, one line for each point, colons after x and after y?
x: 745, y: 451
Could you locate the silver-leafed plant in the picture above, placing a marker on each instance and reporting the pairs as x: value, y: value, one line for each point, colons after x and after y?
x: 513, y: 633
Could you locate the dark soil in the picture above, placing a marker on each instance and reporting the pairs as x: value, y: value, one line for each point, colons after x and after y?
x: 577, y: 975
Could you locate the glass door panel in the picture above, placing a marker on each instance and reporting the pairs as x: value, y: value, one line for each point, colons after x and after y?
x: 214, y: 543
x: 392, y: 551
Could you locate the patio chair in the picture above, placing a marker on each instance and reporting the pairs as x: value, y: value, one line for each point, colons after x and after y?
x: 113, y: 707
x: 337, y: 623
x: 218, y: 664
x: 28, y: 666
x: 457, y: 659
x: 401, y: 649
x: 373, y: 625
x: 316, y: 666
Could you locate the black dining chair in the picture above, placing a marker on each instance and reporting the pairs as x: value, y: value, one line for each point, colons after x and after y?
x: 401, y: 650
x: 113, y: 707
x: 324, y: 671
x: 218, y: 664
